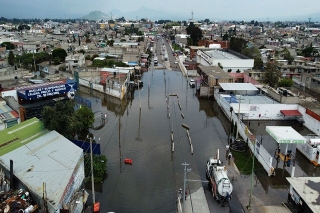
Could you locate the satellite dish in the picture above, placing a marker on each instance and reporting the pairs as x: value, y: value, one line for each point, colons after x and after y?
x: 46, y: 69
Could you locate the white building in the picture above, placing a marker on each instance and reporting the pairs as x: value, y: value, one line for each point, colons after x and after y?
x: 74, y: 61
x: 228, y: 61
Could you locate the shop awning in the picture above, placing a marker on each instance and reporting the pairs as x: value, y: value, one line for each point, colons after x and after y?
x: 290, y: 112
x: 285, y: 134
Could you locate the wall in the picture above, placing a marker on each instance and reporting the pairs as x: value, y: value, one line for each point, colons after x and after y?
x: 92, y: 85
x: 283, y: 99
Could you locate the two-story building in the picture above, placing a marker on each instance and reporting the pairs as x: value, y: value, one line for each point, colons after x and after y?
x: 74, y: 61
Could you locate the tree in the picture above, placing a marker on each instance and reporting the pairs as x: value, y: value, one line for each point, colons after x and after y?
x: 272, y: 74
x: 11, y: 58
x: 287, y: 56
x: 258, y: 63
x: 23, y: 27
x: 225, y: 37
x: 285, y: 82
x: 88, y: 117
x: 110, y: 43
x: 195, y: 33
x: 251, y: 52
x: 8, y: 45
x: 63, y: 118
x: 237, y: 44
x: 59, y: 53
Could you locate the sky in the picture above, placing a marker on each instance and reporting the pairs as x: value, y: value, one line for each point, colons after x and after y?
x: 171, y: 9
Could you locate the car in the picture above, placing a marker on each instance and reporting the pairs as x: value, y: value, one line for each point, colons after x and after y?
x: 192, y: 83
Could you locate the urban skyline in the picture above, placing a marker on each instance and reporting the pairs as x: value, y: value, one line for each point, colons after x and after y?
x: 175, y: 10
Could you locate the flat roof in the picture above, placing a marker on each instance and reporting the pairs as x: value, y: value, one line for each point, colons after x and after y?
x: 115, y: 70
x: 238, y: 86
x: 217, y: 54
x: 50, y: 158
x: 285, y: 134
x: 308, y: 189
x: 20, y: 135
x: 215, y: 72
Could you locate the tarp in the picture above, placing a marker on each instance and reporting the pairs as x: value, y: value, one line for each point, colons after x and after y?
x: 290, y: 112
x: 285, y: 134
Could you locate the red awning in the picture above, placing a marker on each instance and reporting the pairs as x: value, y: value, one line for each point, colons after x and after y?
x: 290, y: 112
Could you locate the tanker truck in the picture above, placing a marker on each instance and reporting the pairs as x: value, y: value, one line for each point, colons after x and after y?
x: 219, y: 183
x: 311, y: 150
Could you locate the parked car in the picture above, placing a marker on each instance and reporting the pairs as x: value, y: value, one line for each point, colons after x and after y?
x: 192, y: 83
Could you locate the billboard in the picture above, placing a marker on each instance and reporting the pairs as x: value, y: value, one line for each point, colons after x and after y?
x: 49, y: 90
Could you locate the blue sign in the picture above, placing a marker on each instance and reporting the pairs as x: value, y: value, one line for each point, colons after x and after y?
x: 50, y: 90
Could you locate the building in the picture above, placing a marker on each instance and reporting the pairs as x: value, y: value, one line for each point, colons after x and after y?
x: 8, y: 116
x: 74, y: 61
x: 230, y: 61
x: 304, y: 194
x: 45, y: 163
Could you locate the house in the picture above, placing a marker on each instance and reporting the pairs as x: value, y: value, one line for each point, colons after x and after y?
x: 75, y: 61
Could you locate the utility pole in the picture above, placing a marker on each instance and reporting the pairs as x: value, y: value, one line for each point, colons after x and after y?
x: 238, y: 118
x: 252, y: 174
x: 92, y: 177
x: 184, y: 184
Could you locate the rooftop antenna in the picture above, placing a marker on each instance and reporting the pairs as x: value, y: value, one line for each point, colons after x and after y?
x: 192, y: 16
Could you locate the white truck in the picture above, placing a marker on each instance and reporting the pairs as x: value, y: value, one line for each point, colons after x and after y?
x: 311, y: 150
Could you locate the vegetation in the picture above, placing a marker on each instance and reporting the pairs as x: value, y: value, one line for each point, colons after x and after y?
x: 309, y: 51
x: 238, y: 44
x: 272, y: 74
x: 244, y: 161
x: 26, y: 59
x: 285, y: 82
x: 8, y: 45
x: 59, y: 55
x: 11, y: 58
x: 99, y: 166
x: 195, y: 34
x: 108, y: 63
x: 63, y: 118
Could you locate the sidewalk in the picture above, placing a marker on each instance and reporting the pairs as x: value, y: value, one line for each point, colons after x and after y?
x: 197, y: 203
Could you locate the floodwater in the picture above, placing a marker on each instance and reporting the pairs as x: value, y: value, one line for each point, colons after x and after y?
x: 151, y: 183
x: 139, y: 128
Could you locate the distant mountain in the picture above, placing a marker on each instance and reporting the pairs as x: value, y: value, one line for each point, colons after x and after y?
x: 142, y: 12
x: 95, y: 16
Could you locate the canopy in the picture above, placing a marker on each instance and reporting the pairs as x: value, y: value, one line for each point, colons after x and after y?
x: 285, y: 134
x: 290, y: 112
x: 238, y: 86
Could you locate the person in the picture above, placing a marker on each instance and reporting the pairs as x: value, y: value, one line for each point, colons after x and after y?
x: 180, y: 191
x: 259, y: 116
x: 227, y: 147
x: 230, y: 155
x: 279, y: 149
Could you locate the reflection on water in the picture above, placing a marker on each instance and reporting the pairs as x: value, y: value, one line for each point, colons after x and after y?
x: 142, y: 134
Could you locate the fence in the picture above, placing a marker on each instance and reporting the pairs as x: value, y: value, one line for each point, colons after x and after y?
x: 262, y: 155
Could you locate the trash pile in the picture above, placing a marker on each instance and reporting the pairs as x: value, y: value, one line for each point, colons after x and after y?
x: 16, y: 201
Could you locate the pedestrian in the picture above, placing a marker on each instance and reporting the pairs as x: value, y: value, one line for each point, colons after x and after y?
x: 185, y: 196
x: 279, y: 149
x: 229, y: 156
x: 180, y: 191
x: 259, y: 116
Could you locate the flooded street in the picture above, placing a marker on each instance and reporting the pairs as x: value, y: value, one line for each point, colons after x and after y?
x: 151, y: 183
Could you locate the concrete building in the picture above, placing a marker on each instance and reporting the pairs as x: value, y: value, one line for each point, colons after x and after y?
x: 74, y: 61
x: 45, y: 163
x: 229, y: 60
x: 304, y: 194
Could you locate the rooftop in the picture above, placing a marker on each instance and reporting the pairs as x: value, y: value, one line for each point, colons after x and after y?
x: 50, y: 159
x: 217, y: 54
x: 308, y: 189
x: 20, y: 135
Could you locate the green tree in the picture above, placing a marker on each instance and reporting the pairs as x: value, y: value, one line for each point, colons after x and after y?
x: 99, y: 63
x: 285, y: 82
x: 287, y: 55
x: 23, y: 27
x: 63, y: 118
x: 110, y: 43
x: 11, y: 58
x: 60, y: 53
x: 86, y: 114
x: 251, y: 52
x: 99, y: 163
x: 195, y: 33
x: 258, y: 63
x: 237, y: 44
x: 8, y: 45
x: 225, y: 37
x: 272, y: 74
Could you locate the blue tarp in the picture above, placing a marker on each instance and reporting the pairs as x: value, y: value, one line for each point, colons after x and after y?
x: 86, y: 146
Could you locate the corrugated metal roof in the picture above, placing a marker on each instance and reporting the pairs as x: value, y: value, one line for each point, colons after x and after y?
x: 238, y: 86
x: 20, y: 134
x: 51, y: 159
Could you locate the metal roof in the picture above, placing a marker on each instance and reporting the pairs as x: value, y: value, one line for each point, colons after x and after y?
x: 308, y: 189
x: 285, y: 134
x: 20, y: 134
x: 238, y: 86
x: 50, y: 159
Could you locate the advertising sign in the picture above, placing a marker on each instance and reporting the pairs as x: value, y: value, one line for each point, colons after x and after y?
x: 42, y: 92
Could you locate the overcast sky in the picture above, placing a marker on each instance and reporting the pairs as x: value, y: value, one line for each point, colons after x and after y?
x: 212, y: 9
